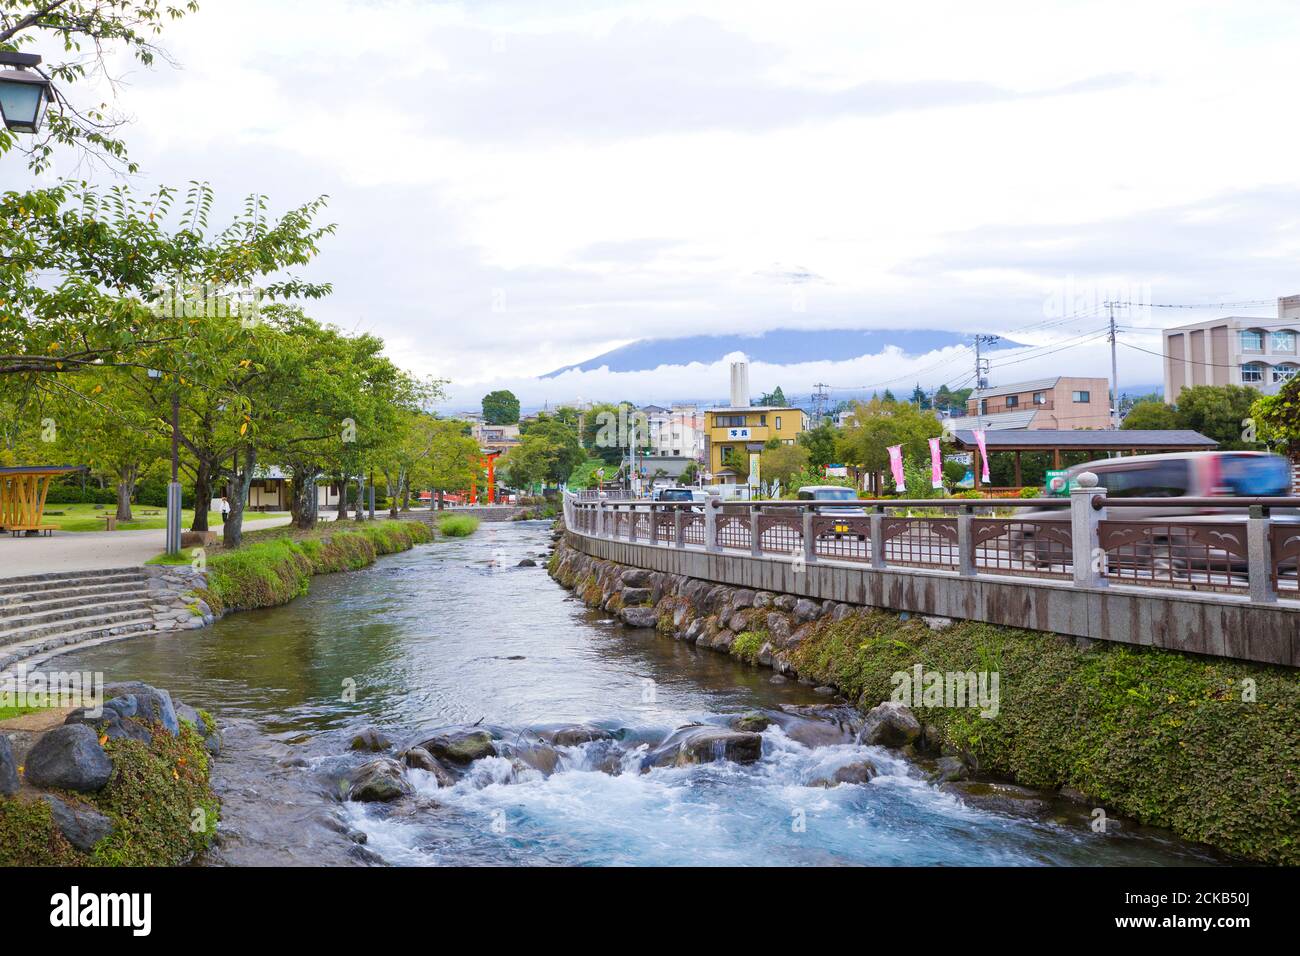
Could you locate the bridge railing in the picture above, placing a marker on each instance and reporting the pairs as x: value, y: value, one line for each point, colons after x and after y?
x: 1246, y: 546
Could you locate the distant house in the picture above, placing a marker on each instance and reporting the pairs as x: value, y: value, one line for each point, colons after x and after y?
x: 495, y: 437
x: 1063, y: 402
x: 270, y: 491
x: 676, y: 432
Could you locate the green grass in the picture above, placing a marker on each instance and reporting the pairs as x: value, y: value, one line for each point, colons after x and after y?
x: 80, y: 517
x: 8, y: 713
x: 1208, y: 747
x: 186, y: 556
x: 457, y: 526
x: 747, y: 645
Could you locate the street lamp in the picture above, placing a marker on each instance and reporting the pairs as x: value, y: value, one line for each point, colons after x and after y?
x: 24, y: 93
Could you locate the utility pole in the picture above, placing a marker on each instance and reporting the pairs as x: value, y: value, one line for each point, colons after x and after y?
x: 981, y: 364
x: 820, y: 398
x: 1114, y: 369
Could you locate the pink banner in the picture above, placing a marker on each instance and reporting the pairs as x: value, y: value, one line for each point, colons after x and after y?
x: 896, y: 466
x: 936, y: 465
x: 984, y: 456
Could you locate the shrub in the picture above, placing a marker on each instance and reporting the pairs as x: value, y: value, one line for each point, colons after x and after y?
x: 747, y: 645
x: 458, y: 526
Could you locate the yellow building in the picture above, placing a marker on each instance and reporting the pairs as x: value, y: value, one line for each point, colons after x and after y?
x: 744, y: 430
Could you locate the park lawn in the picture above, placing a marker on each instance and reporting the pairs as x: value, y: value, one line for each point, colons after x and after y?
x: 83, y: 517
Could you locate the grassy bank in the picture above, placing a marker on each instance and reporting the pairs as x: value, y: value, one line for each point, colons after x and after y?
x: 152, y: 798
x: 277, y: 569
x: 1207, y: 747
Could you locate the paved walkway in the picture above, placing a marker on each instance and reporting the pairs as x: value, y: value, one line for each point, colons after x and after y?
x: 93, y: 550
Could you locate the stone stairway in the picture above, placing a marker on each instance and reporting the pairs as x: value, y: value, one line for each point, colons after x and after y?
x: 42, y: 613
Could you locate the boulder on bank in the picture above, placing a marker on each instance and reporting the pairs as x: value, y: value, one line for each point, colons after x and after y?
x: 370, y: 739
x: 891, y: 724
x: 636, y: 578
x: 8, y: 768
x: 1005, y: 798
x: 703, y: 743
x: 81, y: 825
x: 209, y: 732
x: 379, y: 781
x: 69, y: 757
x: 639, y: 616
x: 460, y: 746
x: 129, y: 710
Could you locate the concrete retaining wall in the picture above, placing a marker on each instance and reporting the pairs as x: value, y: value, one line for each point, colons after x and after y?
x: 1214, y: 624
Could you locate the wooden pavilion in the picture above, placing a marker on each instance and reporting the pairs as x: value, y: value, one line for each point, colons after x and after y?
x: 22, y: 496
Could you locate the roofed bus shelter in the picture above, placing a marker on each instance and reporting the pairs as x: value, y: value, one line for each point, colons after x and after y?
x: 22, y: 496
x: 1096, y: 444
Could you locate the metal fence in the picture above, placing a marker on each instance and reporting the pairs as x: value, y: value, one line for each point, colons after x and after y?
x: 1245, y: 546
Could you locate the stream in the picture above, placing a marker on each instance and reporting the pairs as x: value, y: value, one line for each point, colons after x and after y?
x: 456, y: 633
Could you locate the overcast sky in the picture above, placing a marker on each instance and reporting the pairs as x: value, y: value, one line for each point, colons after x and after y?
x: 522, y: 185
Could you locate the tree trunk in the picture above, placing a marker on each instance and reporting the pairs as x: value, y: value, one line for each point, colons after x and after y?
x: 235, y: 523
x: 304, y: 506
x: 361, y: 497
x: 343, y: 498
x: 202, y: 495
x: 125, y: 489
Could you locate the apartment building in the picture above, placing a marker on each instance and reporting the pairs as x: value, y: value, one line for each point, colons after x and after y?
x: 1234, y: 350
x: 1063, y: 402
x: 676, y: 432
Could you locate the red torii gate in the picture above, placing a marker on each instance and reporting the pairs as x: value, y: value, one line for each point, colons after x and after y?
x: 488, y: 461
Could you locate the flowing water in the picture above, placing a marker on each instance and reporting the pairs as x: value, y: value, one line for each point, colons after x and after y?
x: 455, y: 633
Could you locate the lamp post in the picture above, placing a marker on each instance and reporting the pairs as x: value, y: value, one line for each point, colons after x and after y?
x: 24, y: 93
x: 174, y: 486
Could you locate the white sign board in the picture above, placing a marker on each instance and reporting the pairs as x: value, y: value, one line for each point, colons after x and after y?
x: 739, y: 434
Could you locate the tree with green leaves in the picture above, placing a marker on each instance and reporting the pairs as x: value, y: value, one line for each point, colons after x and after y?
x: 879, y: 424
x: 97, y: 279
x: 1277, y: 418
x: 820, y: 443
x: 774, y: 398
x: 501, y: 408
x: 1221, y: 412
x: 88, y: 36
x: 1151, y: 415
x: 782, y: 463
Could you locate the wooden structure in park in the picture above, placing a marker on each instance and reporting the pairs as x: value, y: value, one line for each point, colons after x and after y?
x: 22, y: 496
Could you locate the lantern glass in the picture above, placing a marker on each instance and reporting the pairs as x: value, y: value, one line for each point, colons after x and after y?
x: 24, y: 97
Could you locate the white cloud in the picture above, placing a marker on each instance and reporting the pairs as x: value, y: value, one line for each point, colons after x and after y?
x: 522, y: 185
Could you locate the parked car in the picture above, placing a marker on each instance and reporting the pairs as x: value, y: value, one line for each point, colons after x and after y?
x: 835, y: 493
x: 673, y: 494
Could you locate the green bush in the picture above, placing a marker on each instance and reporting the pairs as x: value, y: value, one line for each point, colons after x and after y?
x: 457, y: 526
x: 277, y: 570
x: 747, y: 645
x: 1163, y: 737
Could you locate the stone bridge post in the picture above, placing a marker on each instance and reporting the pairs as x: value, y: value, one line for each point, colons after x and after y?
x: 1085, y: 521
x: 1259, y: 556
x: 711, y: 523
